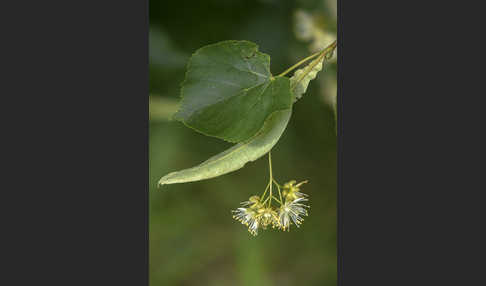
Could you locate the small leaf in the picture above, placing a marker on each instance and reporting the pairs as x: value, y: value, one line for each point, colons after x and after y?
x: 301, y: 78
x: 237, y: 156
x: 229, y: 91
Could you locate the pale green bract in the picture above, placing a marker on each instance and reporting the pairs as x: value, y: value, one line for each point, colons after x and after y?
x: 237, y: 156
x: 299, y: 82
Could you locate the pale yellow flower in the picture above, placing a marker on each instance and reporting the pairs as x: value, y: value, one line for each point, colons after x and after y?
x: 292, y: 211
x: 268, y: 216
x: 291, y: 191
x: 249, y: 214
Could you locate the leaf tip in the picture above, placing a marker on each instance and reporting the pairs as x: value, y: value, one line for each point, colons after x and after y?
x: 162, y: 181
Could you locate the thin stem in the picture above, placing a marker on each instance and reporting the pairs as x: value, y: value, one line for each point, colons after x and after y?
x: 271, y: 175
x: 331, y: 47
x: 280, y: 202
x: 266, y: 189
x: 279, y: 193
x: 327, y: 50
x: 266, y: 200
x: 299, y: 63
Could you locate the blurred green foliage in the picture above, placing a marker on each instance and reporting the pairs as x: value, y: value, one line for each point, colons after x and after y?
x: 193, y: 238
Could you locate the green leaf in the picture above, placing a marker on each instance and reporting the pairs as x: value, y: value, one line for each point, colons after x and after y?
x: 301, y: 78
x: 237, y: 156
x: 229, y: 91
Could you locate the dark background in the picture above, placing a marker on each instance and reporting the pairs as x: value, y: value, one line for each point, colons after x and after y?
x: 193, y: 238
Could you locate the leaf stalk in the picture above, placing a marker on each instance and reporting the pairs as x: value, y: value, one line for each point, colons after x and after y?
x: 327, y: 50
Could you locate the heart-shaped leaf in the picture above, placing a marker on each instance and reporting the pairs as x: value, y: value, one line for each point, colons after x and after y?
x: 237, y: 156
x: 229, y: 91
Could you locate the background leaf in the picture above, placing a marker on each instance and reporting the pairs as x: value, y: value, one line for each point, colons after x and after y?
x: 237, y: 156
x: 229, y: 91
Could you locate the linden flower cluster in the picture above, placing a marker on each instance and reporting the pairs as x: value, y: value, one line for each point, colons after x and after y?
x: 258, y: 211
